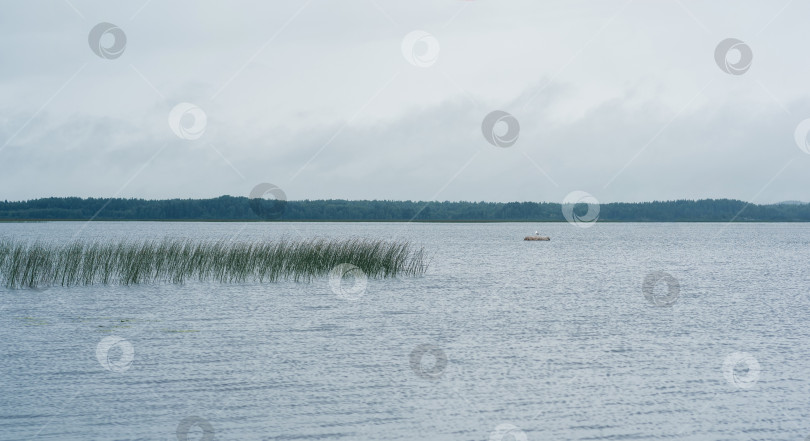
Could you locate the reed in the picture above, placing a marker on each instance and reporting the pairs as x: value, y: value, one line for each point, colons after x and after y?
x: 37, y: 264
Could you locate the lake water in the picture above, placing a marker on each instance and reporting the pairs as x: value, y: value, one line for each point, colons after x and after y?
x: 501, y: 339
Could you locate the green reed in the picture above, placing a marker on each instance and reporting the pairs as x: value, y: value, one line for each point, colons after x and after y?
x: 30, y: 265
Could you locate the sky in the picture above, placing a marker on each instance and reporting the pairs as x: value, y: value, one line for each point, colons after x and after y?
x: 382, y: 99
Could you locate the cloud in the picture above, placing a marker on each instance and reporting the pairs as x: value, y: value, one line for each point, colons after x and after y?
x: 626, y: 104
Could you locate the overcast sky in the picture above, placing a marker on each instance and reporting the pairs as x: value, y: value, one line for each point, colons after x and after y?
x: 383, y: 99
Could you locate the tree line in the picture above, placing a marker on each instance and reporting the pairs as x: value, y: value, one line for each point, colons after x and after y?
x: 229, y: 208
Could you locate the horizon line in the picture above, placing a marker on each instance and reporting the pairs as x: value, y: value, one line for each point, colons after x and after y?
x: 789, y: 202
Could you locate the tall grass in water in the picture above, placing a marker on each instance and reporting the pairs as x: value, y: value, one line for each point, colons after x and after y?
x: 29, y: 265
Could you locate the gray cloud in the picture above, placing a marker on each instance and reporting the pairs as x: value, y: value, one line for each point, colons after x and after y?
x: 329, y: 108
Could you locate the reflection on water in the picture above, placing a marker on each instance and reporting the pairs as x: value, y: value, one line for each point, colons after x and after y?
x: 577, y: 338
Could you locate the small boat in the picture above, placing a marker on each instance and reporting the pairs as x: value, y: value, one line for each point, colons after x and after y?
x: 536, y: 237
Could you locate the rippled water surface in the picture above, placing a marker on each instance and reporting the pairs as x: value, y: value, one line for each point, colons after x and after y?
x: 501, y: 339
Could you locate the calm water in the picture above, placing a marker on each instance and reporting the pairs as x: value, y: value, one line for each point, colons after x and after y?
x: 521, y: 340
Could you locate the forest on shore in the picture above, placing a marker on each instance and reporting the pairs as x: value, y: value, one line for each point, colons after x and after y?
x: 229, y: 208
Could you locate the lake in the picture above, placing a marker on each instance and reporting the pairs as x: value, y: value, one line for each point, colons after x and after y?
x: 615, y: 332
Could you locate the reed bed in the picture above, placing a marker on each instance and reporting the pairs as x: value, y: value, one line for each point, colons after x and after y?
x: 38, y: 264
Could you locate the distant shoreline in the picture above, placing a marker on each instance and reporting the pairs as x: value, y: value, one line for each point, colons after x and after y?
x: 243, y: 209
x: 304, y: 221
